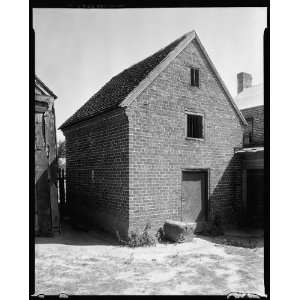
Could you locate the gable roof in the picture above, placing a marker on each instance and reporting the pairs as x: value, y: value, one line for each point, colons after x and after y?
x: 123, y: 88
x: 118, y: 88
x: 250, y: 97
x: 40, y: 85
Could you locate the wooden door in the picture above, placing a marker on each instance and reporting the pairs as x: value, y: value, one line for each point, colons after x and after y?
x: 194, y: 196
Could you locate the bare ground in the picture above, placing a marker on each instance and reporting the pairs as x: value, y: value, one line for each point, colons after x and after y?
x: 92, y: 263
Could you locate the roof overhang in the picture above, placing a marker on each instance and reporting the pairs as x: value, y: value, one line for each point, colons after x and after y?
x: 42, y: 86
x: 252, y: 153
x: 250, y: 150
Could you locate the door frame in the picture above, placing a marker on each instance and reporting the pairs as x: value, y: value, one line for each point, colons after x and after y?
x: 206, y: 172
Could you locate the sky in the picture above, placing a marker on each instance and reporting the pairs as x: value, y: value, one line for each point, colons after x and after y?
x: 78, y: 50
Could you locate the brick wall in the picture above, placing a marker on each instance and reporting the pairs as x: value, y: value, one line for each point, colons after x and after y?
x: 137, y: 154
x: 97, y: 171
x: 159, y: 149
x: 257, y: 113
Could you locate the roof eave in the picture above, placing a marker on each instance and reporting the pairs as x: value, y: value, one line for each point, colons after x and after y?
x: 45, y: 87
x: 64, y: 126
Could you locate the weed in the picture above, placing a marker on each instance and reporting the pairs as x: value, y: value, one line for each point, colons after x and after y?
x: 160, y: 235
x: 139, y: 239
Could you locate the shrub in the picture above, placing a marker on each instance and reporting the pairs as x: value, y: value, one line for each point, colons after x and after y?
x: 160, y: 235
x: 139, y: 239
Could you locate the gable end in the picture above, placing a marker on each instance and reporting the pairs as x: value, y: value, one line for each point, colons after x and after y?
x: 165, y: 63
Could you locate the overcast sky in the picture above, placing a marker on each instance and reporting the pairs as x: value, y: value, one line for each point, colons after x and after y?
x: 79, y: 50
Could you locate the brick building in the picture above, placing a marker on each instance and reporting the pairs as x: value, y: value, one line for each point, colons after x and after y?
x: 250, y: 100
x: 156, y: 142
x: 46, y: 203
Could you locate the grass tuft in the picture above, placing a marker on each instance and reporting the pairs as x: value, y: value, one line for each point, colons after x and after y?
x: 139, y: 239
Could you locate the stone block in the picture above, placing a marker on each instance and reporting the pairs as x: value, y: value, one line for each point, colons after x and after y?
x: 176, y: 231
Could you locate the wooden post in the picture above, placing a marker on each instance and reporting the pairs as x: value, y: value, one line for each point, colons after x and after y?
x: 62, y: 200
x: 244, y: 192
x: 63, y: 187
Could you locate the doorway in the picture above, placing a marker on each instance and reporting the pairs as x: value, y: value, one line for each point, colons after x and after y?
x: 255, y: 197
x: 194, y: 195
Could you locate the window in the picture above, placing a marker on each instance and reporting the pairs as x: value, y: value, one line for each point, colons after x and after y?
x: 194, y: 77
x: 249, y: 129
x: 195, y: 126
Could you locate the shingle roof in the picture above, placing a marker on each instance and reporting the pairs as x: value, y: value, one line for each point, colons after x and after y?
x: 118, y: 88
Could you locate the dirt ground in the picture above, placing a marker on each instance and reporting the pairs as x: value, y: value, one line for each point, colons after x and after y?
x: 92, y: 263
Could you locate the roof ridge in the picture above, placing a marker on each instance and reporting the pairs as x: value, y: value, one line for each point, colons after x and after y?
x: 124, y: 87
x: 134, y: 64
x: 162, y: 48
x: 126, y: 81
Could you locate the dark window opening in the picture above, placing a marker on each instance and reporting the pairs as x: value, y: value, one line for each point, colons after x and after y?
x: 44, y: 128
x: 195, y: 126
x: 249, y: 130
x: 194, y: 77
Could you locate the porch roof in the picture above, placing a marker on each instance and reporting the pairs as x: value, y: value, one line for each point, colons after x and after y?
x: 250, y: 150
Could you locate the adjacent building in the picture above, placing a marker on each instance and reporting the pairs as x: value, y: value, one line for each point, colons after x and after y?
x: 250, y: 100
x: 46, y: 195
x: 156, y: 142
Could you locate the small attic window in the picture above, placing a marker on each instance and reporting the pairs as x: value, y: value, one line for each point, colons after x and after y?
x: 194, y: 77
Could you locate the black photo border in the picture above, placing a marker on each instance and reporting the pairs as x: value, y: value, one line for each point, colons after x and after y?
x: 146, y: 4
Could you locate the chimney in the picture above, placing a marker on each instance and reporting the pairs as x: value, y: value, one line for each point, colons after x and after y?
x: 244, y: 80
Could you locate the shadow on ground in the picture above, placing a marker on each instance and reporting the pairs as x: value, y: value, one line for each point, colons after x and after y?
x: 239, y: 238
x: 77, y: 237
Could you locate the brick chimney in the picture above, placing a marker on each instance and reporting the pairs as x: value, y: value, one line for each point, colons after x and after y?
x: 244, y: 80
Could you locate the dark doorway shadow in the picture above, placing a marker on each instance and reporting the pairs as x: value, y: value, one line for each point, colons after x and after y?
x: 76, y: 237
x: 225, y: 205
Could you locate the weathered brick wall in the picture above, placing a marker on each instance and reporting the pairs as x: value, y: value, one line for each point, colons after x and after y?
x: 97, y: 171
x: 257, y: 113
x: 159, y: 149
